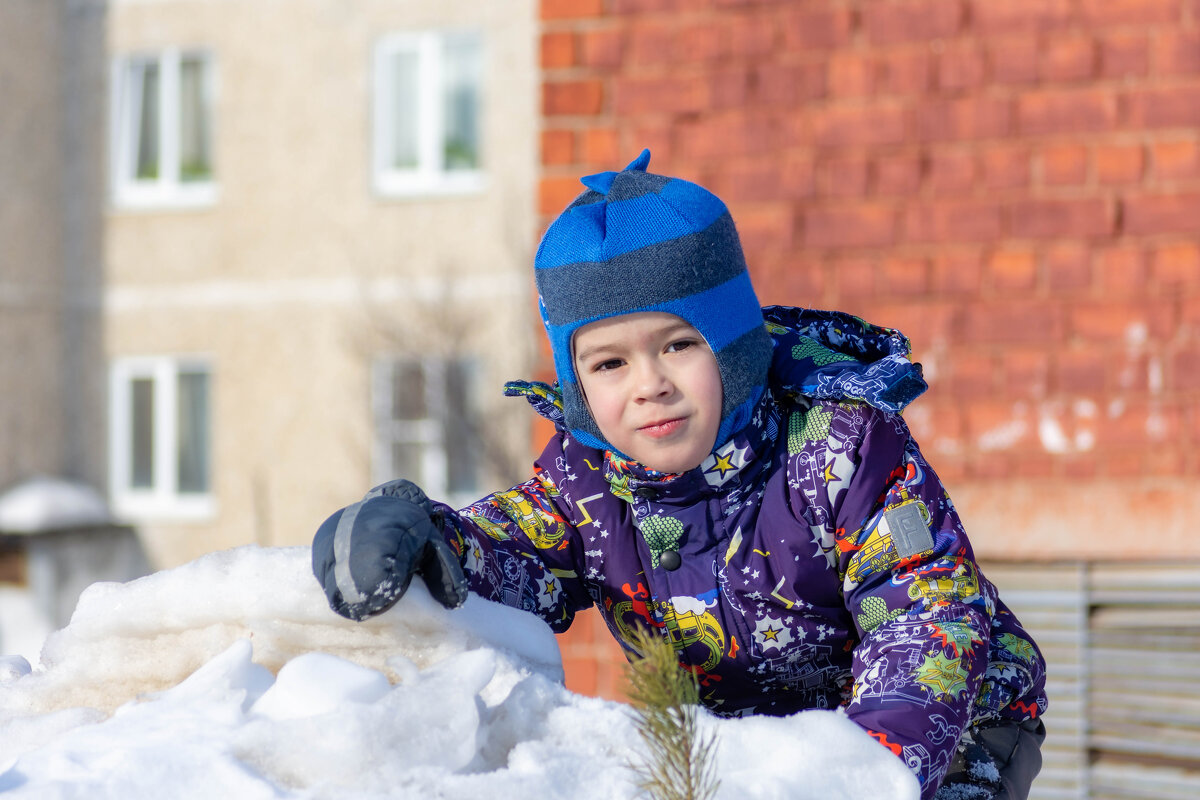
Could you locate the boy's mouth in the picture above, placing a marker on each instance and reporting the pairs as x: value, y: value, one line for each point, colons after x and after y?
x: 662, y: 428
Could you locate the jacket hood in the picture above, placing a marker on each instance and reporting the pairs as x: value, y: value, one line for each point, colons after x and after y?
x: 822, y: 355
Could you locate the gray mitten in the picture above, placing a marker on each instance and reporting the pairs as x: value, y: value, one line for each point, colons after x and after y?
x: 365, y: 555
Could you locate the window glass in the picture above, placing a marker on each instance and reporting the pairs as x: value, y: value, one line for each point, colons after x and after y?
x: 405, y: 92
x: 460, y: 102
x: 195, y: 161
x: 461, y: 449
x: 146, y: 121
x: 193, y: 433
x: 408, y: 390
x: 141, y: 462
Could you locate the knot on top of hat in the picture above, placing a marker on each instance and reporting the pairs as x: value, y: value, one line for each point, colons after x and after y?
x: 602, y: 181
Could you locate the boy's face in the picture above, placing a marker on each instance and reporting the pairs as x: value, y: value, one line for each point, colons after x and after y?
x: 653, y: 386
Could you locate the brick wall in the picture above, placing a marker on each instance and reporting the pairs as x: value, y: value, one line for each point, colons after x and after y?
x: 1015, y: 185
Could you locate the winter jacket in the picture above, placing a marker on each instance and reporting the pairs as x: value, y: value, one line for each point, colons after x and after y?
x: 814, y: 561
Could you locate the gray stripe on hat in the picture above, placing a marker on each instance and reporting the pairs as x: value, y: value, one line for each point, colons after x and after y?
x: 610, y: 289
x: 341, y: 556
x: 744, y: 363
x: 634, y: 183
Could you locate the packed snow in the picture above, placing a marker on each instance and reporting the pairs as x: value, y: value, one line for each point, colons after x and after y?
x: 230, y: 677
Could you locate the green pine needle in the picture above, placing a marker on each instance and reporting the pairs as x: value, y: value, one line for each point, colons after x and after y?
x: 679, y: 763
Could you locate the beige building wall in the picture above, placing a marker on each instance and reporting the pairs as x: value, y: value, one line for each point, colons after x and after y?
x: 300, y: 272
x: 30, y: 253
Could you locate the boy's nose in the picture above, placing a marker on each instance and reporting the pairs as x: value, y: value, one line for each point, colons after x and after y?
x: 652, y: 381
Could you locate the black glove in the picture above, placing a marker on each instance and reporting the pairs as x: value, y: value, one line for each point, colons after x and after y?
x: 365, y: 555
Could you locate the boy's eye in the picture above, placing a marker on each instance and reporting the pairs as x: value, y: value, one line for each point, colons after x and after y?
x: 610, y: 364
x: 682, y: 344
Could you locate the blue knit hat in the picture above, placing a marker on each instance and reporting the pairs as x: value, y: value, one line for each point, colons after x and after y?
x: 635, y: 241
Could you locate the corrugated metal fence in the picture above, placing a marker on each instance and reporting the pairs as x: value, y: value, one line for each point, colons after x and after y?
x: 1122, y: 642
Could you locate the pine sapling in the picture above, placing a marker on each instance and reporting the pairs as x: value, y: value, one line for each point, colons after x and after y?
x: 680, y: 763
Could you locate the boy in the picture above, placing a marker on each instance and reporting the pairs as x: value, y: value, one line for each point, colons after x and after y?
x: 747, y: 489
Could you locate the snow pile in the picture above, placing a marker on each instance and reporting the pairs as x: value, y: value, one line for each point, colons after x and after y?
x: 230, y: 677
x: 47, y: 504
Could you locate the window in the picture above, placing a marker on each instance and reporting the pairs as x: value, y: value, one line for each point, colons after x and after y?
x: 160, y: 437
x: 162, y: 129
x: 427, y: 113
x: 424, y: 428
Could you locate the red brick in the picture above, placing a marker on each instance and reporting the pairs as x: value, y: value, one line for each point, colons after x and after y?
x: 999, y: 426
x: 952, y: 171
x: 650, y: 43
x: 1166, y: 108
x: 925, y: 322
x: 969, y: 118
x: 1064, y: 164
x: 1068, y: 58
x: 602, y: 48
x: 1121, y: 270
x: 751, y: 36
x: 897, y: 174
x: 728, y: 88
x: 1119, y: 163
x: 665, y: 95
x: 1117, y: 320
x: 571, y: 9
x: 911, y: 20
x: 1068, y: 268
x: 558, y: 147
x: 1176, y: 159
x: 1014, y: 61
x: 1080, y: 370
x: 952, y: 221
x: 1020, y: 16
x: 854, y: 279
x: 579, y: 97
x: 765, y: 225
x: 1124, y: 55
x: 843, y: 176
x: 1097, y: 13
x: 700, y: 42
x: 1185, y: 369
x: 1176, y: 267
x: 957, y: 272
x: 850, y: 74
x: 935, y: 421
x: 748, y: 179
x: 901, y: 73
x: 658, y: 137
x: 1005, y: 166
x: 558, y: 50
x: 1190, y: 316
x: 716, y: 136
x: 905, y: 277
x: 555, y: 194
x: 798, y: 175
x: 1066, y: 111
x: 806, y: 30
x: 857, y: 125
x: 599, y: 147
x: 1027, y: 368
x: 1079, y: 467
x: 1011, y: 322
x: 1037, y: 219
x: 788, y: 85
x: 1139, y: 423
x: 1013, y: 270
x: 857, y: 225
x: 1178, y: 53
x: 960, y: 67
x: 970, y: 378
x: 795, y: 283
x: 1164, y: 213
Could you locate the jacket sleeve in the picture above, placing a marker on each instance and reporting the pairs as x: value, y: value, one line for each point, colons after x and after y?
x: 518, y: 547
x: 920, y: 608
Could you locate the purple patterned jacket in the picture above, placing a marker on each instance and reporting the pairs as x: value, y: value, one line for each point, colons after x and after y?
x: 814, y: 561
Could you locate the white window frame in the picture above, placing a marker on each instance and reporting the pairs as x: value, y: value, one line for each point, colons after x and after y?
x: 168, y: 190
x: 429, y: 176
x: 430, y: 432
x: 163, y: 501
